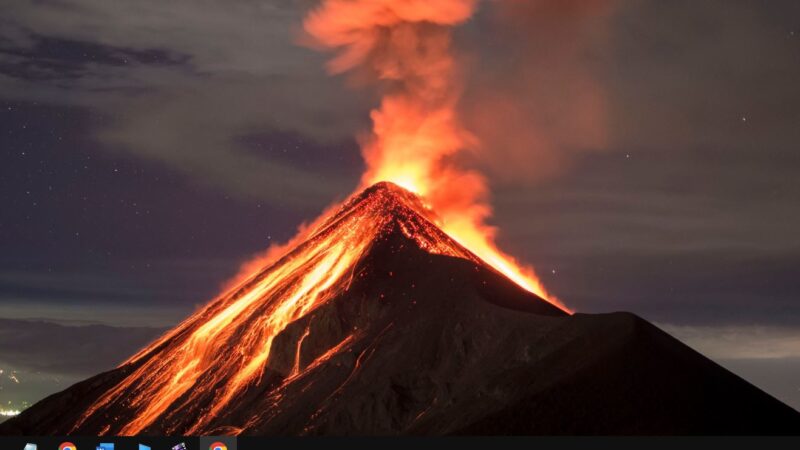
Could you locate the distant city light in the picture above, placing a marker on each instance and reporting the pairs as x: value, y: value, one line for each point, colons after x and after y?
x: 9, y: 412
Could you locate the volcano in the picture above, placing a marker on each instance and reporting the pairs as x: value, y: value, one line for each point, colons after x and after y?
x: 380, y: 323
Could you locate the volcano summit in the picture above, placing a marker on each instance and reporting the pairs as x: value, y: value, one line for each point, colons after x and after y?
x: 380, y: 323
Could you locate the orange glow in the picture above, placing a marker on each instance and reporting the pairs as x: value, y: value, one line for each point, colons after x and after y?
x: 225, y: 348
x: 235, y: 331
x: 417, y: 134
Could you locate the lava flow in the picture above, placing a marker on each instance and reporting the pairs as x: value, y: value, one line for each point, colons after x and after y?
x: 222, y: 350
x: 381, y: 324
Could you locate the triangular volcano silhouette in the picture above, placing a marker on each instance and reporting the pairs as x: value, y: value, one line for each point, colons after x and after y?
x: 380, y: 323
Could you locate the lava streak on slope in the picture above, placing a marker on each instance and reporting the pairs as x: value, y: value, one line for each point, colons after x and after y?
x: 209, y: 359
x: 381, y: 324
x: 219, y: 351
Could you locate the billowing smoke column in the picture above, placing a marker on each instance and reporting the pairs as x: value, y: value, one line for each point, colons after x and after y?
x: 186, y: 380
x: 404, y: 49
x: 405, y: 46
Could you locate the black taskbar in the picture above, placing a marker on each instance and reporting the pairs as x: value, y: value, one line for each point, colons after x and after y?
x: 390, y: 443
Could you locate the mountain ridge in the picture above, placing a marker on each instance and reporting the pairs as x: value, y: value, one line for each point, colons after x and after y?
x: 424, y: 339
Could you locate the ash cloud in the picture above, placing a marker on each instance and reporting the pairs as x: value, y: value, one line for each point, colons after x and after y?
x: 535, y: 98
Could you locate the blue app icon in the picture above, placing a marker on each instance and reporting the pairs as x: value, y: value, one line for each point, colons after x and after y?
x: 143, y: 447
x: 105, y: 446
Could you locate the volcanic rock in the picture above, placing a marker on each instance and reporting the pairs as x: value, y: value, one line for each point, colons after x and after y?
x: 420, y: 337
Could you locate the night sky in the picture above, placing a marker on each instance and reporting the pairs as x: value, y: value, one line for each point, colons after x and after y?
x: 148, y: 148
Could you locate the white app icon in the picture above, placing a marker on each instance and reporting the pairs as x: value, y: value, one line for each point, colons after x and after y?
x: 30, y: 446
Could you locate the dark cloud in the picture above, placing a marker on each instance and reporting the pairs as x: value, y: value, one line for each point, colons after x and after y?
x: 688, y: 212
x: 53, y: 348
x: 183, y: 83
x: 687, y: 74
x: 52, y: 59
x: 676, y: 238
x: 194, y: 129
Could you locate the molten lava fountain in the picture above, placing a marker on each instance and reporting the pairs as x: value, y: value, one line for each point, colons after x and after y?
x: 404, y: 47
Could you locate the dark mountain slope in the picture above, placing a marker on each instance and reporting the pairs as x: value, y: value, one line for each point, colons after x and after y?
x: 429, y: 344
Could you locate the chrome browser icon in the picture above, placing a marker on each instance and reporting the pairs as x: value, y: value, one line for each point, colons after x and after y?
x: 67, y: 446
x: 218, y: 446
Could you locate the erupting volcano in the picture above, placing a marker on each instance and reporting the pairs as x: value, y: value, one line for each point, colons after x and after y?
x: 395, y: 312
x: 380, y: 323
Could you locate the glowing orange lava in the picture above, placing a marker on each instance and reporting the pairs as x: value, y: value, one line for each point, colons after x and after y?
x: 406, y: 47
x: 225, y: 347
x: 257, y: 310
